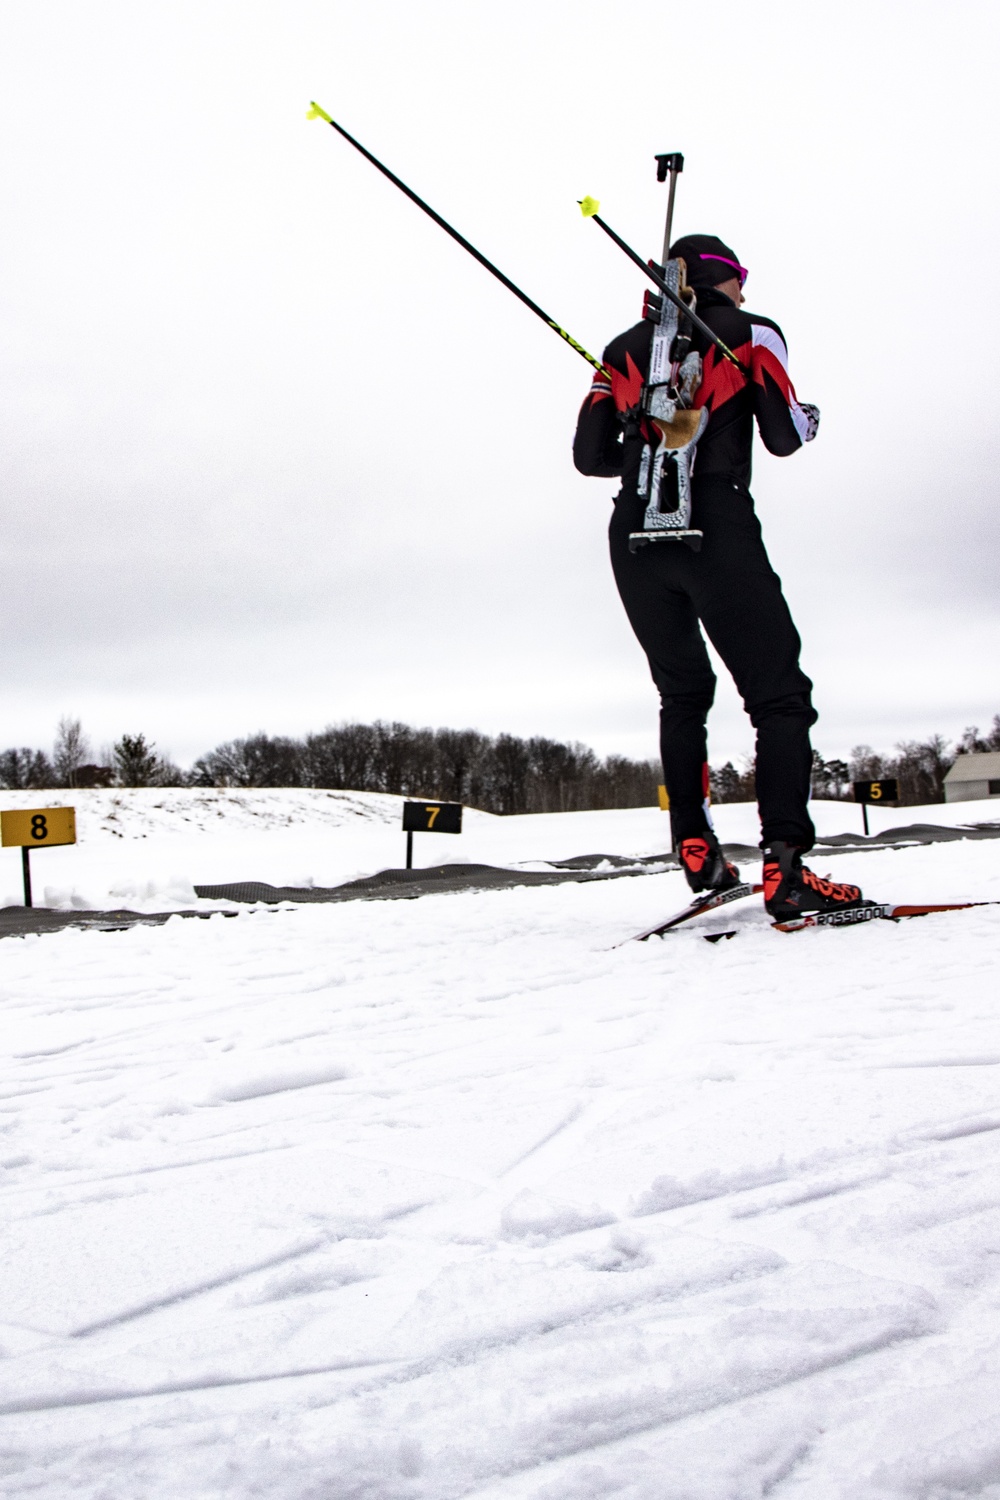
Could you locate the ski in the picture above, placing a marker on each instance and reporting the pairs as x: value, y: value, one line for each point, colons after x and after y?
x: 708, y: 902
x: 853, y: 916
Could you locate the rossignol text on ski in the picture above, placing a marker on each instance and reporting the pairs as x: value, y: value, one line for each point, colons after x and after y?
x: 872, y: 911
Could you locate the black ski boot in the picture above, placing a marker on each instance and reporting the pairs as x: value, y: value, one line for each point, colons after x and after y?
x: 791, y: 889
x: 705, y: 865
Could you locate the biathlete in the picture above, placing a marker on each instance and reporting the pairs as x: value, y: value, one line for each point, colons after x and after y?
x: 729, y: 586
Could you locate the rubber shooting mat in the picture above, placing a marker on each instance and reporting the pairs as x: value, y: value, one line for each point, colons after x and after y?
x: 403, y: 885
x: 395, y: 885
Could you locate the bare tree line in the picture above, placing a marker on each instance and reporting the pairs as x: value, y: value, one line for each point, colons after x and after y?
x: 131, y: 761
x: 500, y: 774
x: 504, y: 774
x: 919, y: 766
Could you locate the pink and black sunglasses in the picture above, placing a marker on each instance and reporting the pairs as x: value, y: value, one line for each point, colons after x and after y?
x: 741, y: 271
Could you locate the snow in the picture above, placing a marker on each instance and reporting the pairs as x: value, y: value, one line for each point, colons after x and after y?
x: 453, y: 1197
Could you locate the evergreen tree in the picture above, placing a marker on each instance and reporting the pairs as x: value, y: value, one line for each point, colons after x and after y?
x: 136, y: 762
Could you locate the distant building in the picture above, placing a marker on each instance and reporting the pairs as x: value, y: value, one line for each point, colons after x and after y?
x: 973, y: 777
x: 92, y: 776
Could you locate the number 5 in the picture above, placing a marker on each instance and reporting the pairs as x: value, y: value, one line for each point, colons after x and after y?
x: 876, y: 790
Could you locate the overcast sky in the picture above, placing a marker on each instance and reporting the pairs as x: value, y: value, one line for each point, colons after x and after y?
x: 277, y: 453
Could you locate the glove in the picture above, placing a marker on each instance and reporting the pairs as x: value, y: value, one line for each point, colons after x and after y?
x: 811, y: 414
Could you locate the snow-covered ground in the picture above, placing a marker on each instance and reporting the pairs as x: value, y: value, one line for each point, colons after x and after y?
x: 452, y: 1197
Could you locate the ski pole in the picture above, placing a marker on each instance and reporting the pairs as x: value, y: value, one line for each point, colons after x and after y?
x: 316, y: 113
x: 589, y: 207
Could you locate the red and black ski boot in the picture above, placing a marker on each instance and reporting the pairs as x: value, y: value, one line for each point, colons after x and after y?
x: 705, y: 865
x: 791, y: 889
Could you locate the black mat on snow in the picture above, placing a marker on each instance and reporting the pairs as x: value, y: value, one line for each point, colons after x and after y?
x: 19, y: 921
x: 912, y: 833
x: 406, y: 885
x: 397, y: 885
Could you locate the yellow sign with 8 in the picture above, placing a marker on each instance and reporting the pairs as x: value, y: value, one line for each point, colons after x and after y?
x: 39, y: 827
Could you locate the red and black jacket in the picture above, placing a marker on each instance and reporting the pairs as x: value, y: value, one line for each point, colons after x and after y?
x: 602, y: 448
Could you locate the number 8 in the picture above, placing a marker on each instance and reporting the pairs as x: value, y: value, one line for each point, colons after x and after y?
x: 39, y: 826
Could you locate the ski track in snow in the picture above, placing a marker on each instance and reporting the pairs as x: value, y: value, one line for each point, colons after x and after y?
x: 452, y: 1198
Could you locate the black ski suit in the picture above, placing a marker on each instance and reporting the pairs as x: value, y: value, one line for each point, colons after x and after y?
x: 729, y: 586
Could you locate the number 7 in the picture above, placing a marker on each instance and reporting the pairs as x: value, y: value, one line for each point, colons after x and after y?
x: 432, y: 813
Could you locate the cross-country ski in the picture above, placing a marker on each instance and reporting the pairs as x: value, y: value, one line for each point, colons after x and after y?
x: 697, y: 907
x: 874, y: 912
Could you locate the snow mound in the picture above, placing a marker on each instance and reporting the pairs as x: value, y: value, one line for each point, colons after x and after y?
x: 536, y: 1219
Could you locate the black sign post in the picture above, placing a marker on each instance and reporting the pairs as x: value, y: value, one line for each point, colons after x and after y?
x: 869, y: 793
x: 36, y: 828
x: 429, y: 817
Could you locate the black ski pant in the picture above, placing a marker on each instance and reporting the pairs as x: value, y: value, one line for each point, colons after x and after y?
x: 731, y: 588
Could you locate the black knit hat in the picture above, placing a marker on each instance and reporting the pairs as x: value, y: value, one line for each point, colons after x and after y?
x: 709, y: 261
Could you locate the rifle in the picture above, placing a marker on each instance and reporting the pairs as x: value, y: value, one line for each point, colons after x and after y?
x: 675, y: 372
x: 675, y: 368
